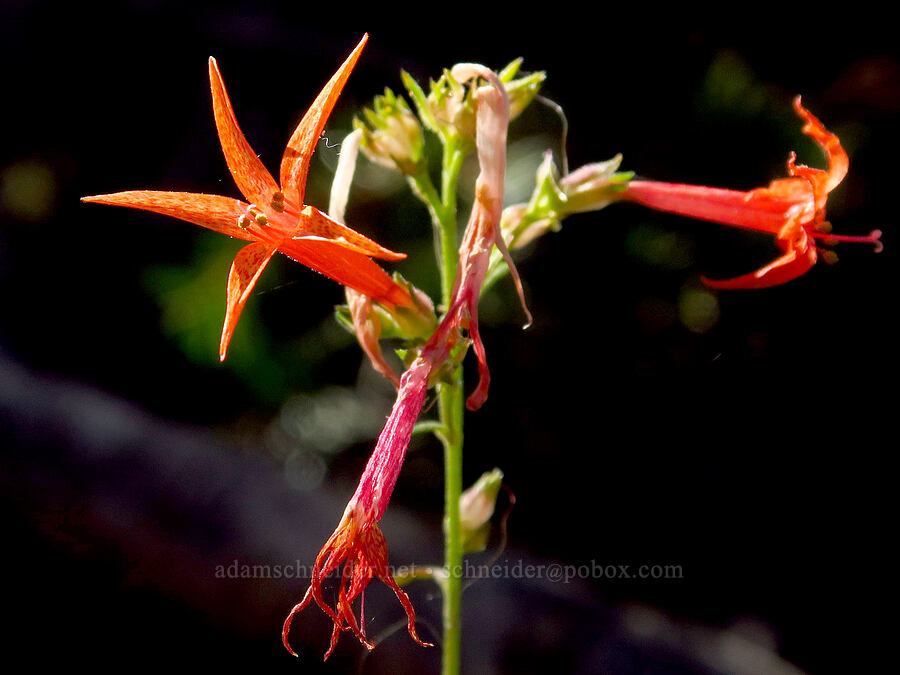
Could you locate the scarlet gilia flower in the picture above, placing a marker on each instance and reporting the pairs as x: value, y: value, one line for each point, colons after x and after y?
x: 793, y: 209
x: 274, y: 218
x: 358, y: 544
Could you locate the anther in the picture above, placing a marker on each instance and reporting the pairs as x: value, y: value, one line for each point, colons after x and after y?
x: 828, y: 257
x: 260, y: 219
x: 243, y: 222
x: 278, y: 201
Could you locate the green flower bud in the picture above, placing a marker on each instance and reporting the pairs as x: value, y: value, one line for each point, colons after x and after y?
x: 523, y: 223
x: 521, y: 92
x: 392, y: 135
x: 448, y: 110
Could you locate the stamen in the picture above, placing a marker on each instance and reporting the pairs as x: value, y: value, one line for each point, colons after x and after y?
x: 874, y: 238
x: 278, y: 201
x: 260, y: 219
x: 244, y: 222
x: 826, y: 256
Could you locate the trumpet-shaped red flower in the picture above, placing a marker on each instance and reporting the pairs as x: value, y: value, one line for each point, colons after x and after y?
x: 274, y: 218
x: 358, y: 543
x: 793, y: 209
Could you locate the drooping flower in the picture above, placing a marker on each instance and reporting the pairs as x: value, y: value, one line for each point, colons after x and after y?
x: 792, y: 209
x: 483, y: 229
x: 274, y: 218
x: 358, y: 544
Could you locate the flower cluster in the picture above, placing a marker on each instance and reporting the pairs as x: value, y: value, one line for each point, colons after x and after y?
x: 470, y: 108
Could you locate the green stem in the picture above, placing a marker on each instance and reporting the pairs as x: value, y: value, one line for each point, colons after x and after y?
x: 442, y: 208
x: 451, y: 166
x: 450, y: 407
x: 450, y: 402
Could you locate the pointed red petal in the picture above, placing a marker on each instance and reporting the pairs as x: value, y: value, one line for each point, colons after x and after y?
x: 251, y: 176
x: 299, y: 150
x: 315, y: 222
x: 479, y: 395
x: 796, y: 261
x: 407, y: 607
x: 211, y: 211
x: 838, y: 162
x: 286, y: 629
x: 248, y: 265
x: 348, y: 267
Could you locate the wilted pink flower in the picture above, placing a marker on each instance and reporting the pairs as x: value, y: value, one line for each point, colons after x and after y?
x: 358, y: 543
x: 483, y: 229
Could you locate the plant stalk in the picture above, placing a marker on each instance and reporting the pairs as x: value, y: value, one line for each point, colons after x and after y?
x: 442, y: 208
x: 450, y: 401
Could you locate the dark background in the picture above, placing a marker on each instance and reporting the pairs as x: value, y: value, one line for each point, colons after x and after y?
x: 642, y: 420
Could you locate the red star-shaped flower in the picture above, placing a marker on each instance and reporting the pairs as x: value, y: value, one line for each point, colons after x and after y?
x: 274, y: 217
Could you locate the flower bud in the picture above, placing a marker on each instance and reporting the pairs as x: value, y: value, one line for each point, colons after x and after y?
x: 521, y: 92
x: 448, y: 110
x: 449, y: 107
x: 476, y: 507
x: 594, y: 186
x: 523, y: 223
x: 392, y: 135
x: 417, y: 322
x: 414, y: 323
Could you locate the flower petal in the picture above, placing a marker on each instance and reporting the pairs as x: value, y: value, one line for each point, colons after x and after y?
x: 248, y: 265
x: 479, y: 395
x: 764, y: 209
x: 317, y: 223
x: 368, y: 330
x: 348, y: 267
x: 380, y: 475
x: 797, y: 260
x: 251, y: 176
x: 838, y: 162
x: 211, y: 211
x: 300, y: 148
